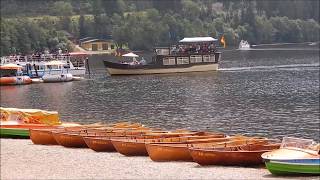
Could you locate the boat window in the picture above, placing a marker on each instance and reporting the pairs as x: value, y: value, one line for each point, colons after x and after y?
x: 195, y: 59
x: 212, y: 58
x: 162, y: 51
x: 206, y: 58
x: 182, y: 60
x: 169, y: 61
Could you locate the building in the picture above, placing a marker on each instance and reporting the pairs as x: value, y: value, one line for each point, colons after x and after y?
x: 91, y: 44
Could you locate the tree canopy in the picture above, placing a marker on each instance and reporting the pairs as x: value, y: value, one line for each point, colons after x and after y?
x: 35, y: 25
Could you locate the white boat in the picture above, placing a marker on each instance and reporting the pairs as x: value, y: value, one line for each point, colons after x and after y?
x: 37, y: 66
x: 244, y: 45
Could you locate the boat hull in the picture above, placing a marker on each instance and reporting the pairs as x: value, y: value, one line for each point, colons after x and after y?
x: 14, y: 133
x: 130, y: 148
x: 99, y: 144
x: 42, y: 136
x: 18, y: 80
x: 57, y: 78
x: 158, y: 152
x: 230, y: 158
x: 287, y: 168
x: 117, y: 69
x: 69, y: 140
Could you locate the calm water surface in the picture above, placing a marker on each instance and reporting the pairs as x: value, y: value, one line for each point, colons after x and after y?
x: 269, y: 92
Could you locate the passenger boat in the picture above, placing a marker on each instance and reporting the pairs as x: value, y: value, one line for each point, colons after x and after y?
x: 11, y: 74
x: 193, y: 54
x: 36, y: 66
x: 296, y: 156
x: 244, y: 45
x: 232, y: 155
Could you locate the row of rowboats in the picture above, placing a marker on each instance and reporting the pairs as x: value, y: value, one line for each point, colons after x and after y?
x: 205, y: 148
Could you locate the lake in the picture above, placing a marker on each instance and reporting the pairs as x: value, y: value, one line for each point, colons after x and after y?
x: 271, y: 92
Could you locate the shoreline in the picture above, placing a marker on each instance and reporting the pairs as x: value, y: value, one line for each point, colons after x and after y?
x: 21, y: 159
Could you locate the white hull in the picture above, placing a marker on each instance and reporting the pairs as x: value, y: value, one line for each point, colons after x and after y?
x: 75, y: 72
x: 195, y: 68
x: 57, y: 77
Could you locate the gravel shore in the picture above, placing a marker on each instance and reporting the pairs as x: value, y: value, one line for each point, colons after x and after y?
x: 21, y: 159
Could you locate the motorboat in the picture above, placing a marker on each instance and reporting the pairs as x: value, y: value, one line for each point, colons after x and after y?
x: 295, y: 156
x: 194, y: 54
x: 11, y: 74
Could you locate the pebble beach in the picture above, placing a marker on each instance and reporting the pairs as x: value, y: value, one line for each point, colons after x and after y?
x: 21, y: 159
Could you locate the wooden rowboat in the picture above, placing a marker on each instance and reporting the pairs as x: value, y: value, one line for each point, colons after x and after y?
x: 74, y: 140
x: 99, y: 144
x: 42, y: 136
x: 244, y: 155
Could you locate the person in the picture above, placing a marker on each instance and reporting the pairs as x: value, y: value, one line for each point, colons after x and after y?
x: 143, y: 62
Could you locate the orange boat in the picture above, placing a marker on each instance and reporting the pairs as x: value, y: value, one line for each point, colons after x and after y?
x: 11, y: 74
x: 99, y: 144
x: 69, y: 139
x: 243, y: 155
x: 42, y: 136
x: 136, y: 146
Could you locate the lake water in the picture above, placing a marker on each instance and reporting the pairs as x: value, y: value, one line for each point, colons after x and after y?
x: 271, y: 92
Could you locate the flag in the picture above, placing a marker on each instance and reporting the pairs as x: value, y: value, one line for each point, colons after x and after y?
x: 222, y: 40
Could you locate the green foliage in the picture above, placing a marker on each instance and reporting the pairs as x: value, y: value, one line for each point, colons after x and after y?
x: 26, y: 26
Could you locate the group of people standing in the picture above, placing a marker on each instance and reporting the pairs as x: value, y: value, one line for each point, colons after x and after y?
x: 193, y: 48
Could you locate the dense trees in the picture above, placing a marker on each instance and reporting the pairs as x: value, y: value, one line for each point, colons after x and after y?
x: 35, y: 25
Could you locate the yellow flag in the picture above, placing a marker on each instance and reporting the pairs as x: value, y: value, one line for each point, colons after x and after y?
x: 222, y: 40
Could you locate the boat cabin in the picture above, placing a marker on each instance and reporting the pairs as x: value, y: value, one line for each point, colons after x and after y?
x: 193, y: 50
x: 10, y: 70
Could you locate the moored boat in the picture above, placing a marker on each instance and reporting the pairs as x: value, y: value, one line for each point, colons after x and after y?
x: 11, y: 74
x: 42, y: 136
x: 296, y: 156
x: 194, y: 54
x: 71, y: 140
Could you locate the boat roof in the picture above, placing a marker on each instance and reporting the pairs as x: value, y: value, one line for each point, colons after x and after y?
x: 130, y: 55
x: 197, y: 39
x: 78, y: 53
x: 54, y: 63
x: 11, y: 66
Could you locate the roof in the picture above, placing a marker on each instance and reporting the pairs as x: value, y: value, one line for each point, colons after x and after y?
x: 94, y: 40
x: 197, y: 39
x: 130, y: 55
x: 10, y: 66
x: 78, y: 53
x: 54, y: 63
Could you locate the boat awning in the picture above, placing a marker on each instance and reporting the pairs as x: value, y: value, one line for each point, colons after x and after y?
x: 130, y: 55
x: 54, y: 63
x: 11, y: 66
x: 79, y: 53
x: 197, y: 39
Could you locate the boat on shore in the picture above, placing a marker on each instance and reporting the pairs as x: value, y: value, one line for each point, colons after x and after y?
x: 11, y: 74
x: 229, y: 154
x: 193, y: 54
x: 296, y: 156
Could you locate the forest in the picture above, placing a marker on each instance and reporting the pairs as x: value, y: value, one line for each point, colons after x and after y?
x: 36, y: 25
